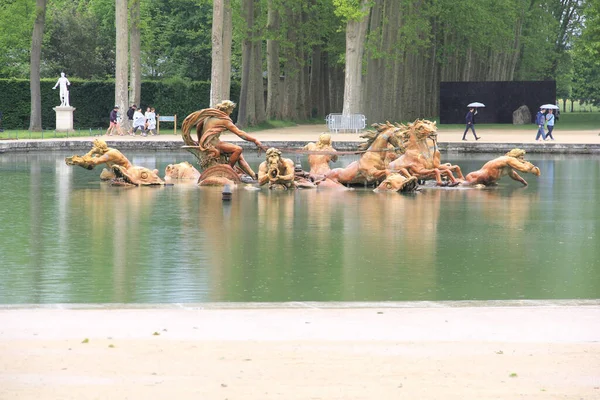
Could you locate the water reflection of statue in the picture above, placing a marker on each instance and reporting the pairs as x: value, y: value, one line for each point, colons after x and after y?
x: 319, y: 163
x: 63, y: 82
x: 493, y: 170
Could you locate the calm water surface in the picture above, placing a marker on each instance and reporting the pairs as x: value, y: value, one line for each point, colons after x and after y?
x: 68, y: 238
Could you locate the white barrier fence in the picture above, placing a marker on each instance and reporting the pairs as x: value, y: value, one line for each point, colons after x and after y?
x: 346, y: 123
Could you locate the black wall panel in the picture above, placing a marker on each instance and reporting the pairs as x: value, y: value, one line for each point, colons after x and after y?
x: 500, y: 99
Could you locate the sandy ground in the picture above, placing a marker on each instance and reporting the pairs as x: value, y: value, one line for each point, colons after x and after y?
x: 311, y: 133
x: 302, y: 352
x: 542, y: 351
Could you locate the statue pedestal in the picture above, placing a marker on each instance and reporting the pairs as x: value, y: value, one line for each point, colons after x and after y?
x: 64, y: 118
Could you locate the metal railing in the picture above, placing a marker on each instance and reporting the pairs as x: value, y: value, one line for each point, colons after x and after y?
x: 346, y: 123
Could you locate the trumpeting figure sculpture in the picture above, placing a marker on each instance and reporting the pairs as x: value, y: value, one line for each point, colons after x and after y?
x: 121, y: 172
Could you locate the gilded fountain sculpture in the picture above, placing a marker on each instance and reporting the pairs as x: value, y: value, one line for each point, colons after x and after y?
x: 393, y: 158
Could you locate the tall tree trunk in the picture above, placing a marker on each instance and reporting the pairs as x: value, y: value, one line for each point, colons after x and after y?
x: 246, y: 84
x: 216, y: 76
x: 227, y: 42
x: 35, y: 118
x: 135, y: 44
x: 394, y: 89
x: 326, y: 94
x: 273, y: 69
x: 259, y: 87
x: 121, y: 59
x: 355, y: 45
x: 316, y: 83
x: 374, y: 79
x: 291, y: 70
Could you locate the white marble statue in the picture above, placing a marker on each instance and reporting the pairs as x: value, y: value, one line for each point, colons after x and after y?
x: 64, y: 92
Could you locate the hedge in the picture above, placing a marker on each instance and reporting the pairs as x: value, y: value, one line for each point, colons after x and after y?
x: 93, y: 101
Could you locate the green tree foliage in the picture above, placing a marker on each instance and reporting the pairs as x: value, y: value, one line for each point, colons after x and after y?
x: 411, y: 46
x: 176, y: 38
x: 586, y: 57
x: 78, y: 41
x: 16, y: 25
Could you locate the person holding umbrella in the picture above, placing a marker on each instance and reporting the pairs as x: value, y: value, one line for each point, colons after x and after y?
x: 470, y: 120
x: 550, y: 118
x: 549, y: 124
x: 540, y: 120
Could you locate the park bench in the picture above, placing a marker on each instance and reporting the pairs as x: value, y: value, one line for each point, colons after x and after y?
x: 166, y: 118
x: 346, y: 123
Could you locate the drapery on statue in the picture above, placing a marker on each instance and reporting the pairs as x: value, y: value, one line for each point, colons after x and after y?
x: 319, y: 163
x: 123, y: 172
x: 420, y: 159
x: 63, y: 82
x: 209, y: 149
x: 493, y: 170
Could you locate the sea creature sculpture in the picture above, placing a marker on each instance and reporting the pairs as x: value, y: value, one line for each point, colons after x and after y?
x: 509, y: 164
x: 136, y: 176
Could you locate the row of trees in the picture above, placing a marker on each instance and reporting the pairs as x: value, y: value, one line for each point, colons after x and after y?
x: 301, y: 59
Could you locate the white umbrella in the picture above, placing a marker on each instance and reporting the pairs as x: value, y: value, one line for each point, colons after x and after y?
x: 476, y: 104
x: 549, y: 106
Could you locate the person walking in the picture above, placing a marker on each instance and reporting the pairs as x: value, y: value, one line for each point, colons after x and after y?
x: 151, y: 121
x: 550, y: 124
x: 130, y: 113
x: 470, y: 119
x: 139, y: 122
x: 540, y: 120
x: 114, y: 122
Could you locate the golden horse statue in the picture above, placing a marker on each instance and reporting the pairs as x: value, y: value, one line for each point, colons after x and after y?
x: 383, y: 145
x: 422, y: 157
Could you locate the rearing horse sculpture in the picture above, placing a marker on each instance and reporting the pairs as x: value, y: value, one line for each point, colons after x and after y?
x: 422, y: 160
x: 382, y: 144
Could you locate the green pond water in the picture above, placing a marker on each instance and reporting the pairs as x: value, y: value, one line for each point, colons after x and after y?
x: 68, y: 238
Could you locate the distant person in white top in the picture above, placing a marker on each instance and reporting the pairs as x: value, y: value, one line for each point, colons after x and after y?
x: 139, y: 122
x: 549, y: 124
x: 63, y: 82
x: 151, y: 121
